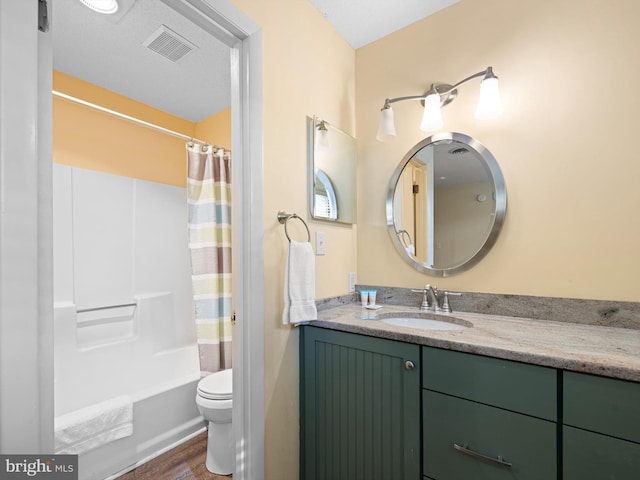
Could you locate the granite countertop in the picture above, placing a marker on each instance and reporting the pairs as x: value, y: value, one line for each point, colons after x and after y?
x: 599, y: 350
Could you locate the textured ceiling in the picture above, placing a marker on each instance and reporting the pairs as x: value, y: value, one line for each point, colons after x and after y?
x: 363, y: 21
x: 90, y: 46
x: 109, y: 51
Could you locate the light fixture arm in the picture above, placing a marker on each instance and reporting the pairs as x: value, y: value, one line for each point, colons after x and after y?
x: 443, y: 90
x: 488, y: 73
x: 389, y: 101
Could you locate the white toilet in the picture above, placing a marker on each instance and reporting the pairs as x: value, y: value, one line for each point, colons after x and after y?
x: 214, y: 400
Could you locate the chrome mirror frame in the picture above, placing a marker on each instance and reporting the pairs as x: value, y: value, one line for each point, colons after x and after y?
x: 500, y: 194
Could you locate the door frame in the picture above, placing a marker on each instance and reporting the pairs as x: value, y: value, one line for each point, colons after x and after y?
x: 26, y: 253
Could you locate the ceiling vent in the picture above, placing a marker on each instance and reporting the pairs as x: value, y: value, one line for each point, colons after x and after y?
x: 169, y: 44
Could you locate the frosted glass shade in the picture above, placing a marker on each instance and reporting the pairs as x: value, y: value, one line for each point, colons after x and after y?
x: 432, y: 116
x: 387, y: 126
x: 102, y: 6
x: 489, y: 104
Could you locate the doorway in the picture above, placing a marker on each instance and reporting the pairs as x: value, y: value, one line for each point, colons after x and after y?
x: 36, y: 435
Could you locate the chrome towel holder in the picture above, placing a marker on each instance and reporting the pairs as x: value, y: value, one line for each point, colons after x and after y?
x: 284, y: 217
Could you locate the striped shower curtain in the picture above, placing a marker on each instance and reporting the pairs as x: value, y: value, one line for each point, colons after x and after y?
x: 209, y: 192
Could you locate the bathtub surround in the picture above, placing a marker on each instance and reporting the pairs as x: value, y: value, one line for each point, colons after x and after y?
x: 123, y: 323
x: 209, y: 191
x: 606, y: 313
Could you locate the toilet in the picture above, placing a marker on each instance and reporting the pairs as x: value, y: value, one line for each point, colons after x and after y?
x: 215, y: 403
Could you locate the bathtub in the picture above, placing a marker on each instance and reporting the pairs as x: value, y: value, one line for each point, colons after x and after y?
x: 109, y: 352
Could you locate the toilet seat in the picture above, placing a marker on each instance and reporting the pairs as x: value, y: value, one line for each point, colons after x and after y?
x: 217, y: 386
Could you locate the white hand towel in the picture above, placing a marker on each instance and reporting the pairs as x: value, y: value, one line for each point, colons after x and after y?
x: 90, y: 427
x: 299, y: 284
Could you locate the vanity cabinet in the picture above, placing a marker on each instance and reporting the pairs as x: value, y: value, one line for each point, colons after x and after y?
x: 486, y: 418
x: 373, y: 408
x: 601, y: 428
x: 359, y: 407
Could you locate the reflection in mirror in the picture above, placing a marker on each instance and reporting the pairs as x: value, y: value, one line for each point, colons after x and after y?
x: 446, y: 204
x: 332, y: 172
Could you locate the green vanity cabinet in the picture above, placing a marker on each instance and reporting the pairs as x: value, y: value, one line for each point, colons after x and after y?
x: 359, y: 407
x: 487, y: 419
x: 601, y: 432
x: 372, y: 408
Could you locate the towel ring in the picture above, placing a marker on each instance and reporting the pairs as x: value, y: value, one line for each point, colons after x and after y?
x: 284, y: 217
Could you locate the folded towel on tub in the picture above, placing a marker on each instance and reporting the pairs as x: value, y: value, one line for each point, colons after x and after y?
x: 299, y: 284
x: 93, y: 426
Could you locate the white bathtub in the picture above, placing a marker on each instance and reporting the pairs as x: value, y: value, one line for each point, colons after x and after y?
x: 107, y: 353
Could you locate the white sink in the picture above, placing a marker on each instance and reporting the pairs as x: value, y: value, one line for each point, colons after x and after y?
x: 423, y: 322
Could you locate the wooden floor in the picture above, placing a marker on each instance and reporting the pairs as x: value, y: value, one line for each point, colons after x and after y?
x: 185, y: 462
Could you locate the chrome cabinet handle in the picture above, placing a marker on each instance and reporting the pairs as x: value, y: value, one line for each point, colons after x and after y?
x: 498, y: 460
x: 409, y: 365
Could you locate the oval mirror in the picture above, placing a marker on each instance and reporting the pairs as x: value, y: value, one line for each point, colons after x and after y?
x: 446, y: 204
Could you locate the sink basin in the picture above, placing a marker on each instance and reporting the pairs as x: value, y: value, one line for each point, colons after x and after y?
x: 424, y: 321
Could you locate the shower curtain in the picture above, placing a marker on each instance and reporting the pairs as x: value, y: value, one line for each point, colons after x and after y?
x: 209, y: 197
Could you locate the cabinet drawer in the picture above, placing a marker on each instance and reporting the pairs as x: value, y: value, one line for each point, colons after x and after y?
x: 603, y: 405
x: 591, y: 455
x: 516, y: 386
x: 529, y: 444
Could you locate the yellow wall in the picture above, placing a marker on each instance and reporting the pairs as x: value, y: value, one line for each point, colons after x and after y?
x: 308, y: 70
x: 87, y: 138
x: 216, y: 129
x: 565, y: 143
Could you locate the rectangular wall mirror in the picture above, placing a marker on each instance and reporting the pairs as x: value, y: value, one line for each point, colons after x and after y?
x: 332, y: 172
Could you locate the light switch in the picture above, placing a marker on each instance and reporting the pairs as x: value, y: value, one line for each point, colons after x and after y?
x: 320, y: 245
x: 352, y: 281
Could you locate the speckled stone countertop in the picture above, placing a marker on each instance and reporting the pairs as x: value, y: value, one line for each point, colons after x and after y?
x: 600, y: 350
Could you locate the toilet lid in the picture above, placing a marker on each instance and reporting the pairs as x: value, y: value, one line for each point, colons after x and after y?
x: 217, y: 386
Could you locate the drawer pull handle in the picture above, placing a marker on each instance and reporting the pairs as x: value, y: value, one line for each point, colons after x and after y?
x: 498, y: 460
x: 409, y: 365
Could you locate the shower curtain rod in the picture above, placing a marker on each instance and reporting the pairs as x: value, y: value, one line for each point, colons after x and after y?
x: 134, y: 120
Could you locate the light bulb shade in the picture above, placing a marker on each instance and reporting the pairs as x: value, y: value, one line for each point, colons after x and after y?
x: 432, y: 116
x: 322, y: 139
x: 107, y: 7
x: 387, y: 126
x: 489, y: 104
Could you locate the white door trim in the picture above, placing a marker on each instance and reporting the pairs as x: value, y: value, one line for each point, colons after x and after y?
x: 224, y: 21
x: 26, y: 275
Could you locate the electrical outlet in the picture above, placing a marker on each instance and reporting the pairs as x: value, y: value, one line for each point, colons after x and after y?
x: 352, y: 281
x: 320, y: 244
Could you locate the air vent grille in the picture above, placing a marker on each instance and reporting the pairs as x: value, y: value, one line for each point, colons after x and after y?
x: 169, y: 44
x: 458, y: 151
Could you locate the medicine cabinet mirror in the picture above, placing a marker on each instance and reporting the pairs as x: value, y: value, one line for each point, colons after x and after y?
x: 332, y: 172
x: 446, y: 204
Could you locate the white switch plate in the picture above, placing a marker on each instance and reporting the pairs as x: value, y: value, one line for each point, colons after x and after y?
x: 352, y: 281
x: 320, y: 245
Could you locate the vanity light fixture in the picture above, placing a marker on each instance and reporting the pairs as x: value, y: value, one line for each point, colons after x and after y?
x: 108, y: 7
x: 439, y: 95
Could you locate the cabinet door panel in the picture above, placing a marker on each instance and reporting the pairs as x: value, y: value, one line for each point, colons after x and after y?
x: 360, y: 407
x: 604, y: 405
x: 526, y: 442
x: 516, y: 386
x: 589, y: 455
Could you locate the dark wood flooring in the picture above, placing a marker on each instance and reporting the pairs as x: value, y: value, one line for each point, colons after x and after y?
x: 185, y: 462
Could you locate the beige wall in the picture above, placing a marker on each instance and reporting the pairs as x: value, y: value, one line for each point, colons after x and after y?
x: 308, y: 70
x: 566, y: 142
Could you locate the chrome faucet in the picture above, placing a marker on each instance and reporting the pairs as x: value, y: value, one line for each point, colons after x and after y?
x: 431, y: 301
x: 429, y: 298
